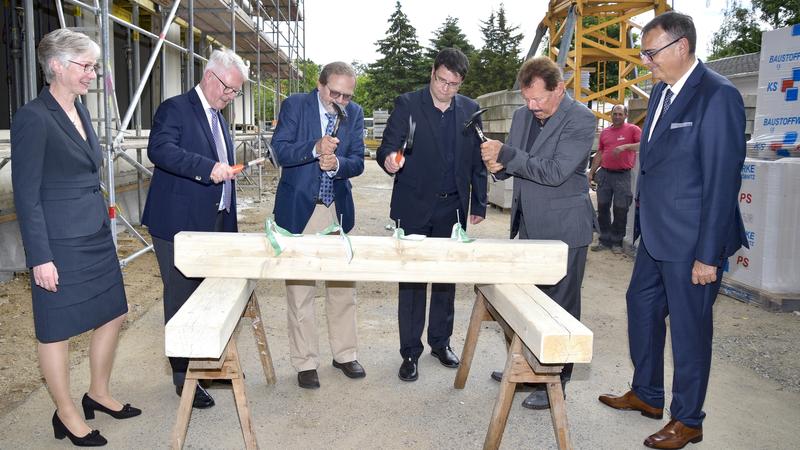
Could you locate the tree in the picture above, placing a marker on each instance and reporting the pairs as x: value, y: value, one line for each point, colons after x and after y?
x: 449, y: 35
x: 402, y: 67
x: 495, y: 66
x: 739, y: 33
x: 778, y: 13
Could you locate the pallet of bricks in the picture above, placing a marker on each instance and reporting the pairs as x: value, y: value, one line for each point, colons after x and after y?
x: 768, y: 273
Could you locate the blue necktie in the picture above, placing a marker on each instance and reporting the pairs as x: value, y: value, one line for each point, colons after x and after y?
x: 222, y: 156
x: 667, y: 102
x: 326, y: 182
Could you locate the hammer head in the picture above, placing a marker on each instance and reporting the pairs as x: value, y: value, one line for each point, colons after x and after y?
x: 473, y: 118
x: 341, y: 116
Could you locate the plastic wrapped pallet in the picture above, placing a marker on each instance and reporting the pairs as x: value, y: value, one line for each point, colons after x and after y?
x: 771, y: 214
x: 776, y: 130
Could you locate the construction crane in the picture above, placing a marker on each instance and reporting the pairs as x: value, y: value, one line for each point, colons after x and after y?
x: 587, y: 36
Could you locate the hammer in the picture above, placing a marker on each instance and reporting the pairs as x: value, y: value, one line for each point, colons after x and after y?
x: 473, y: 123
x: 341, y: 116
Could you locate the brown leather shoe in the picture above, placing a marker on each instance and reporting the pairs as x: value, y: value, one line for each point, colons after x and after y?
x: 674, y: 435
x: 630, y: 402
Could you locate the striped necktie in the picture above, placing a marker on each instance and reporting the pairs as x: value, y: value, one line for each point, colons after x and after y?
x: 325, y: 181
x: 216, y: 132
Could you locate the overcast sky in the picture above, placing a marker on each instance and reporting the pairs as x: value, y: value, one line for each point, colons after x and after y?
x: 348, y: 29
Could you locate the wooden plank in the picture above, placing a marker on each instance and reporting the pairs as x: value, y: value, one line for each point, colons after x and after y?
x: 203, y: 325
x: 312, y: 257
x: 551, y: 333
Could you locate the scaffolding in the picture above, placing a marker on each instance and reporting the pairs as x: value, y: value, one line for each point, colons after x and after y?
x: 596, y: 48
x: 268, y: 34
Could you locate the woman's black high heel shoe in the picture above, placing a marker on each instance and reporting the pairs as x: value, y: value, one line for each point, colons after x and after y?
x: 93, y: 439
x: 90, y: 406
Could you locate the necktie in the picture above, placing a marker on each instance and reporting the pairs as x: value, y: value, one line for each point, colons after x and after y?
x: 326, y: 182
x: 667, y: 102
x: 216, y: 132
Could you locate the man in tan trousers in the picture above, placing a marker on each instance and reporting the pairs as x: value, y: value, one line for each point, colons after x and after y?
x: 313, y: 193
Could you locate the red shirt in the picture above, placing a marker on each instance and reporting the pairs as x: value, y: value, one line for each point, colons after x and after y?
x: 611, y: 138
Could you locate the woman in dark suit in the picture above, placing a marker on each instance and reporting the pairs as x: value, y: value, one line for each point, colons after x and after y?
x: 76, y: 282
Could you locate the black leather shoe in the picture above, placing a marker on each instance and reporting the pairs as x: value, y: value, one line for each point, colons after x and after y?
x: 308, y: 379
x: 352, y: 369
x: 90, y: 406
x: 446, y: 356
x: 538, y: 399
x: 497, y: 375
x: 92, y: 439
x: 408, y: 370
x: 202, y: 399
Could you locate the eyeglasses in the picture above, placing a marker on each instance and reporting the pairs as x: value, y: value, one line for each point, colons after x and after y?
x: 88, y: 67
x: 650, y: 54
x: 228, y: 89
x: 538, y: 100
x: 446, y: 84
x: 336, y: 94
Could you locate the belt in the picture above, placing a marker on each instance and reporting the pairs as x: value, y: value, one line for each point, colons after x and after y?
x: 617, y: 170
x: 446, y: 194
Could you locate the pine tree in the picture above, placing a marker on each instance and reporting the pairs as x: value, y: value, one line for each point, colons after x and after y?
x: 449, y: 35
x: 402, y: 67
x: 495, y: 66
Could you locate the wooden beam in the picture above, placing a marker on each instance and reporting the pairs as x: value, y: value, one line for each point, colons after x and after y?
x: 203, y: 325
x: 312, y: 257
x: 551, y: 333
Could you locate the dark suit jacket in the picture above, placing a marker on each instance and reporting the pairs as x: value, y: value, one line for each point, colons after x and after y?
x: 690, y: 172
x: 298, y: 130
x: 550, y: 184
x: 182, y: 196
x: 416, y: 185
x: 55, y: 176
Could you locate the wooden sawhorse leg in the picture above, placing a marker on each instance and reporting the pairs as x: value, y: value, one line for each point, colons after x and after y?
x: 479, y: 314
x: 227, y: 367
x: 253, y: 311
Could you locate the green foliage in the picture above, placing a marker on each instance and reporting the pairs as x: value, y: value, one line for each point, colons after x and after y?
x: 495, y: 66
x: 778, y: 13
x: 739, y: 33
x: 264, y: 98
x: 448, y: 35
x: 402, y: 67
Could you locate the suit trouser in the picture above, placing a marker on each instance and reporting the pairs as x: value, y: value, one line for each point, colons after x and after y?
x: 412, y: 297
x: 340, y: 308
x: 177, y: 289
x: 613, y: 195
x: 659, y: 289
x: 567, y: 292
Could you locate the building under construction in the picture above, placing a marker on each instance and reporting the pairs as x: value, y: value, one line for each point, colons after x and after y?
x: 151, y: 50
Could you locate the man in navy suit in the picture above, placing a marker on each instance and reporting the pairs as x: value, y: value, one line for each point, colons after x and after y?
x: 691, y: 155
x: 314, y: 192
x: 440, y: 182
x: 192, y: 188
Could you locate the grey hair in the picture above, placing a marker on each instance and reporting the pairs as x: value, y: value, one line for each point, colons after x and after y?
x: 63, y: 45
x: 336, y: 68
x: 226, y: 59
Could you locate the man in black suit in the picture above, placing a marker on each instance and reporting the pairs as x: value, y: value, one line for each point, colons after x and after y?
x: 441, y: 182
x: 192, y: 187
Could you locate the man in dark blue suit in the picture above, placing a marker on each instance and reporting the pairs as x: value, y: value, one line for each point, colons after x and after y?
x: 192, y: 188
x: 440, y: 182
x: 314, y: 192
x: 691, y: 155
